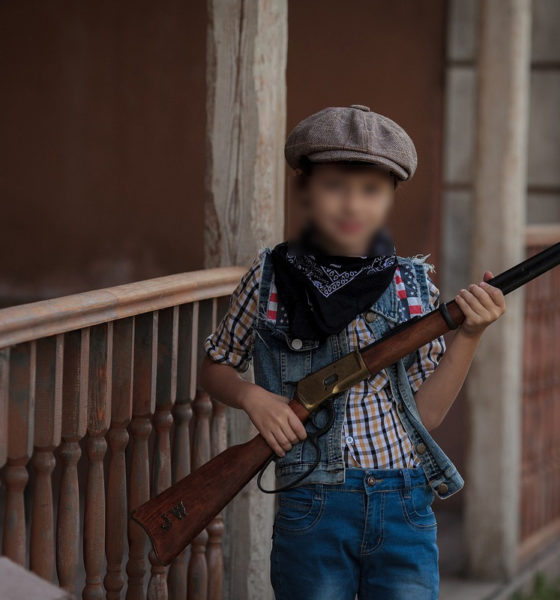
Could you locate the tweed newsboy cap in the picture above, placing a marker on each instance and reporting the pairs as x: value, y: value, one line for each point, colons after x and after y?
x: 355, y: 133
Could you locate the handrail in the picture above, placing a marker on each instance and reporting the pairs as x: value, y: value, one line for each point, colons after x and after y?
x: 36, y: 320
x: 544, y: 234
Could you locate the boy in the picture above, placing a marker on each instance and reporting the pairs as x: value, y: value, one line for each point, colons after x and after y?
x: 360, y: 523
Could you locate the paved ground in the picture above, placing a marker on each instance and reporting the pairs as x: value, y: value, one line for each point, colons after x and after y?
x: 454, y: 585
x: 460, y: 589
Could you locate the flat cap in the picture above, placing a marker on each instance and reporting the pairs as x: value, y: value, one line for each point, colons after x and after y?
x: 355, y: 133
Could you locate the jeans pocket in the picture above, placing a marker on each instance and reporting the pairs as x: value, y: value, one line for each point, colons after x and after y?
x: 299, y: 509
x: 417, y: 507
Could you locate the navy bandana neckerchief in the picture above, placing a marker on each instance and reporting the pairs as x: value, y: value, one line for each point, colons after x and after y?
x: 322, y: 293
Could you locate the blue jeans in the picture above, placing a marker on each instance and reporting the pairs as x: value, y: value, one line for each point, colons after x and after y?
x: 373, y: 537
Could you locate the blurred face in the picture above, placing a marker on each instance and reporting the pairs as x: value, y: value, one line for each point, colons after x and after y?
x: 347, y: 207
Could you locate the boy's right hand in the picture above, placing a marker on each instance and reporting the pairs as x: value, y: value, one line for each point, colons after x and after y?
x: 275, y: 420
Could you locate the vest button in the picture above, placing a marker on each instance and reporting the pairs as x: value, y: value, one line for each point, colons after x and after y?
x: 297, y: 344
x: 442, y: 488
x: 370, y: 316
x: 371, y: 480
x: 400, y: 407
x: 421, y: 448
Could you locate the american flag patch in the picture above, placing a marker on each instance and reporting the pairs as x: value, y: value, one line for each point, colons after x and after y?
x: 272, y: 304
x: 401, y: 290
x: 412, y: 303
x: 414, y: 306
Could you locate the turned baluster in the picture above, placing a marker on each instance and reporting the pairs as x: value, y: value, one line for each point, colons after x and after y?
x: 4, y: 403
x: 214, y: 553
x: 182, y: 413
x: 74, y: 426
x: 48, y: 422
x: 197, y: 587
x: 166, y: 387
x: 143, y: 406
x: 218, y: 441
x: 21, y: 408
x: 99, y: 416
x: 121, y: 413
x: 197, y: 579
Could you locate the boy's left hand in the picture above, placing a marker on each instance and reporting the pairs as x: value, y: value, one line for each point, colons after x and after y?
x: 481, y: 304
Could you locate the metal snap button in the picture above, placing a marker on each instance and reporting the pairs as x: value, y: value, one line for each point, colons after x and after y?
x: 421, y: 448
x: 442, y: 488
x: 361, y: 107
x: 297, y: 344
x: 371, y: 480
x: 349, y: 440
x: 370, y: 316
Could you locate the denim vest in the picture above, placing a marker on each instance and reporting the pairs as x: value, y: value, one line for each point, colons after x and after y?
x: 279, y: 364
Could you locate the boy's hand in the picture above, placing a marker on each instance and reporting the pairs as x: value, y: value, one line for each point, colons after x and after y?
x: 481, y: 304
x: 274, y: 419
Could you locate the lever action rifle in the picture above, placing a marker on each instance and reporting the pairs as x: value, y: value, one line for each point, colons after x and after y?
x: 176, y: 516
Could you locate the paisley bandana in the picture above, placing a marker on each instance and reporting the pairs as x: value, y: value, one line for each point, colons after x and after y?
x: 323, y: 293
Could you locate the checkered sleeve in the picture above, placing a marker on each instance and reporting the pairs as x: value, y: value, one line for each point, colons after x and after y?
x: 429, y: 355
x: 232, y: 342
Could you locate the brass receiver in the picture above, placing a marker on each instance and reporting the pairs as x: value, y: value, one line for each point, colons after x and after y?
x: 331, y: 380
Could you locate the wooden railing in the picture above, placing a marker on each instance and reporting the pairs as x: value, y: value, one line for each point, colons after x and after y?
x: 99, y: 409
x: 540, y: 470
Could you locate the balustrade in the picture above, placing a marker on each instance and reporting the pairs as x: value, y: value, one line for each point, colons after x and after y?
x: 100, y: 410
x: 540, y: 465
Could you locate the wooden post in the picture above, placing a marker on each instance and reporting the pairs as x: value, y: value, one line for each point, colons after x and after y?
x: 198, y: 573
x: 246, y: 123
x: 218, y: 443
x: 21, y: 420
x: 48, y: 421
x: 121, y: 413
x: 143, y: 407
x: 197, y: 581
x: 246, y: 115
x: 182, y: 413
x: 166, y: 387
x: 4, y: 403
x: 494, y: 387
x: 99, y: 418
x: 74, y: 425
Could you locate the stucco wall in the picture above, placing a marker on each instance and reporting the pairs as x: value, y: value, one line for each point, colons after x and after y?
x: 103, y: 143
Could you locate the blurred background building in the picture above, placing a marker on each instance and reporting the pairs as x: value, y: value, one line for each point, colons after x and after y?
x: 143, y: 139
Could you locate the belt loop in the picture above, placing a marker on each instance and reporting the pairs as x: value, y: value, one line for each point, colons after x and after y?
x: 407, y: 483
x: 318, y: 491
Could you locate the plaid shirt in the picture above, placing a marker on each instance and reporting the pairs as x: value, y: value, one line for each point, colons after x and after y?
x: 372, y: 435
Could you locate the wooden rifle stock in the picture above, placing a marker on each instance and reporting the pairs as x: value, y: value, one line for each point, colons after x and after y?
x: 176, y: 516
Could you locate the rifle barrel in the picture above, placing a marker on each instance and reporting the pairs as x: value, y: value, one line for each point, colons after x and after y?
x: 527, y: 270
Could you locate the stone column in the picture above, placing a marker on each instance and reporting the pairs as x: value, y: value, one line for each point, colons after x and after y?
x: 494, y: 386
x: 244, y: 211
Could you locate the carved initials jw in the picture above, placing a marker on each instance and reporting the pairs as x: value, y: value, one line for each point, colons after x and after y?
x: 178, y: 511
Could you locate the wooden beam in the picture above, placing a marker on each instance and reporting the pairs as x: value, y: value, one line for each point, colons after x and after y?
x: 246, y: 122
x: 244, y: 211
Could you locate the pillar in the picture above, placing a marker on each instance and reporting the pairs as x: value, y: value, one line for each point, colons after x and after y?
x: 246, y: 128
x: 494, y: 386
x: 244, y: 211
